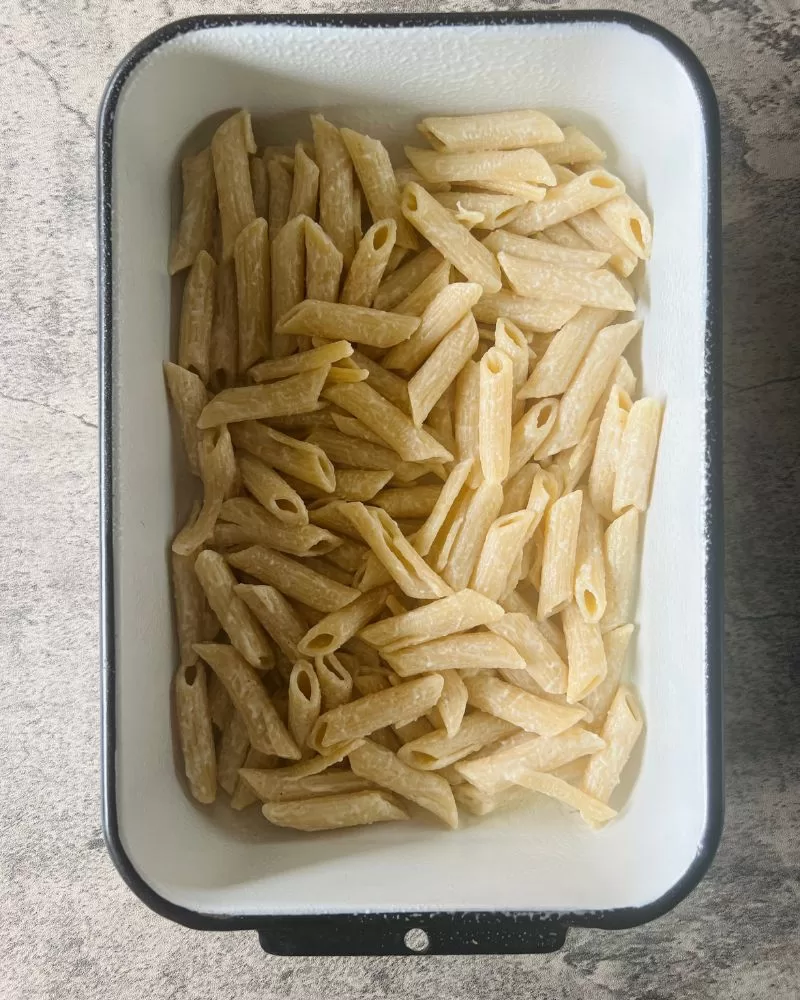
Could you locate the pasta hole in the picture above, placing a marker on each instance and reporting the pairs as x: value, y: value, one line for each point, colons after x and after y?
x: 494, y: 365
x: 602, y: 181
x: 321, y: 641
x: 636, y: 231
x: 190, y: 675
x: 304, y: 684
x: 544, y: 415
x: 417, y: 940
x: 380, y: 237
x: 411, y: 201
x: 287, y: 506
x: 589, y: 602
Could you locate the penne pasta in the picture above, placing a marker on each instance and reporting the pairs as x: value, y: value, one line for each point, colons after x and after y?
x: 528, y: 711
x: 636, y: 456
x: 494, y: 209
x: 509, y: 339
x: 337, y: 627
x: 266, y: 731
x: 194, y: 620
x: 566, y: 200
x: 592, y: 811
x: 335, y: 186
x: 218, y: 472
x: 441, y: 369
x: 335, y: 683
x: 418, y: 300
x: 494, y: 425
x: 319, y: 357
x: 195, y: 731
x: 189, y: 397
x: 288, y: 281
x: 251, y: 258
x: 384, y: 768
x: 452, y: 702
x: 575, y: 147
x: 230, y: 146
x: 494, y: 130
x: 223, y: 355
x: 297, y: 394
x: 274, y: 786
x: 466, y: 651
x: 570, y: 465
x: 451, y: 305
x: 293, y: 578
x: 487, y: 165
x: 620, y: 544
x: 197, y: 314
x: 234, y: 746
x: 590, y: 575
x: 481, y: 510
x: 598, y: 701
x: 560, y: 361
x: 545, y: 252
x: 259, y: 187
x: 332, y: 812
x: 598, y: 288
x: 586, y: 656
x: 621, y: 730
x: 305, y: 185
x: 272, y: 491
x: 628, y: 223
x: 324, y: 263
x: 589, y: 227
x: 336, y: 321
x: 529, y: 432
x: 360, y: 484
x: 407, y: 278
x: 368, y: 266
x: 558, y: 558
x: 264, y: 529
x: 536, y: 315
x: 280, y: 184
x: 450, y: 238
x: 301, y: 459
x: 504, y: 540
x: 196, y: 228
x: 276, y: 615
x: 604, y: 464
x: 436, y: 750
x: 409, y: 501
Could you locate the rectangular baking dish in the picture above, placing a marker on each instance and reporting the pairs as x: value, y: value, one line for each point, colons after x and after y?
x: 513, y: 882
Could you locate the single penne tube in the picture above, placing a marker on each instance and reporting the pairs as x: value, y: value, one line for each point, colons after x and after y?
x: 592, y: 811
x: 545, y: 252
x: 348, y: 555
x: 528, y: 711
x: 335, y: 681
x: 336, y: 321
x: 589, y: 227
x: 337, y: 627
x: 558, y: 558
x: 452, y: 488
x: 440, y: 370
x: 194, y: 620
x: 353, y: 428
x: 604, y: 463
x: 372, y: 573
x: 408, y: 501
x: 296, y: 394
x: 452, y: 703
x: 566, y: 200
x: 590, y: 574
x: 280, y: 194
x: 494, y: 130
x: 489, y: 165
x: 636, y: 456
x: 622, y: 375
x: 494, y: 771
x: 288, y: 281
x: 223, y: 355
x: 467, y: 420
x: 251, y: 258
x: 264, y: 726
x: 530, y: 431
x: 465, y: 651
x: 272, y: 491
x: 220, y: 705
x: 524, y: 190
x: 327, y: 568
x: 505, y: 538
x: 538, y: 315
x: 450, y: 238
x: 407, y: 278
x: 436, y: 750
x: 458, y: 613
x: 243, y: 796
x: 575, y: 147
x: 293, y: 578
x: 362, y: 484
x: 197, y: 315
x: 274, y: 786
x: 335, y: 186
x: 304, y: 701
x: 569, y: 465
x: 483, y: 507
x: 406, y: 567
x: 512, y: 341
x: 444, y: 312
x: 384, y: 768
x: 393, y: 706
x: 218, y: 472
x: 563, y: 235
x: 259, y: 186
x: 357, y: 452
x: 586, y: 656
x: 301, y: 459
x: 628, y: 223
x: 598, y: 288
x: 622, y: 728
x: 199, y: 208
x: 368, y: 266
x: 482, y: 804
x: 245, y: 633
x: 495, y: 209
x: 564, y: 353
x: 263, y: 529
x: 380, y: 187
x: 598, y: 701
x: 412, y: 443
x: 334, y: 812
x: 406, y: 174
x: 496, y: 402
x: 305, y: 185
x: 442, y: 546
x: 195, y: 731
x: 417, y: 301
x: 318, y: 357
x: 276, y: 615
x: 324, y: 263
x: 230, y: 146
x: 587, y: 385
x: 234, y: 745
x: 389, y: 385
x: 189, y: 397
x: 396, y: 258
x: 517, y: 488
x: 621, y: 547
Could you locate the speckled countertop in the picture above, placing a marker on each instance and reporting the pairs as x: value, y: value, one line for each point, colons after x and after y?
x: 68, y: 925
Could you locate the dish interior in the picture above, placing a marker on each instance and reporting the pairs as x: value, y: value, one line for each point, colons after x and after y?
x: 635, y: 98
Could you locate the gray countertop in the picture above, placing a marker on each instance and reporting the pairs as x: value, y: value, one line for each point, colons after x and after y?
x: 68, y: 925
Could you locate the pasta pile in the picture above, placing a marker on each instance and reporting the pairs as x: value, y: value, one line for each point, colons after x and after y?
x: 411, y: 577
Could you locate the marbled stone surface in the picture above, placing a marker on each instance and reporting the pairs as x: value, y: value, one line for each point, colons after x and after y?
x: 68, y: 925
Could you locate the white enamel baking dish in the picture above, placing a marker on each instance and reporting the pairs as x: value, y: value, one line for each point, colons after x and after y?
x: 510, y: 882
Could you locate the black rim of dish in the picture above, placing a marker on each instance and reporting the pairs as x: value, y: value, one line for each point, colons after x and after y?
x: 489, y: 932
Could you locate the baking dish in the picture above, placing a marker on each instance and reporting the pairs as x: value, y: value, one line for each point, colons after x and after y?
x: 516, y: 881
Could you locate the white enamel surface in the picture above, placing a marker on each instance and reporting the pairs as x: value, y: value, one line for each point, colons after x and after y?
x: 634, y: 98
